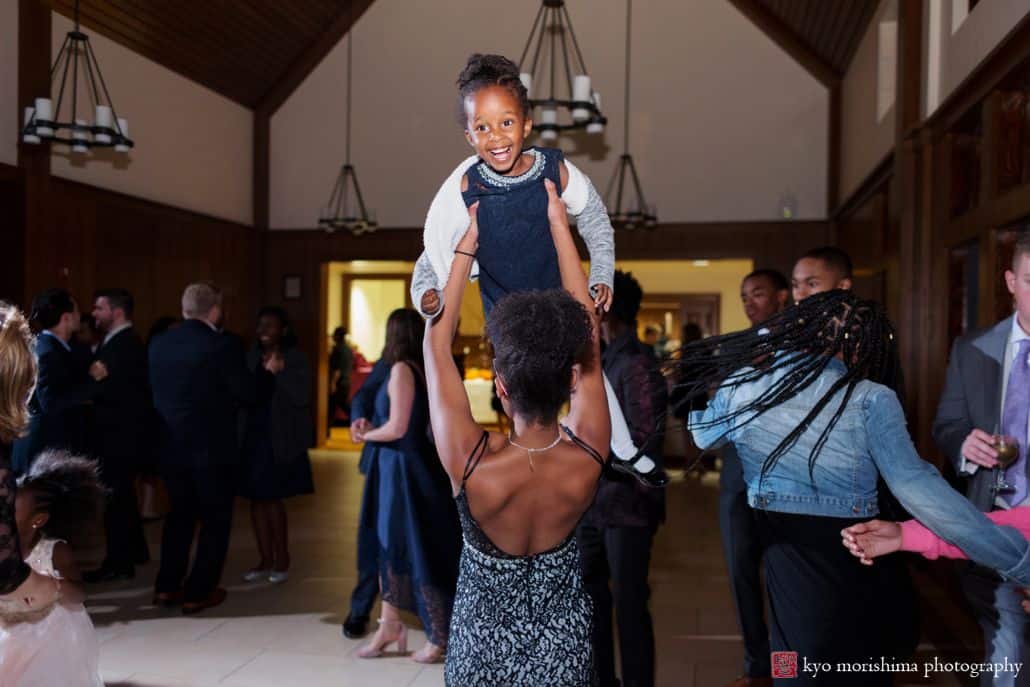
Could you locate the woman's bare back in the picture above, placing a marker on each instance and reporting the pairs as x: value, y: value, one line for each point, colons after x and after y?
x: 526, y: 510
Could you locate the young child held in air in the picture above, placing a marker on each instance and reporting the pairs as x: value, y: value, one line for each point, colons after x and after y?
x: 58, y: 496
x: 516, y: 253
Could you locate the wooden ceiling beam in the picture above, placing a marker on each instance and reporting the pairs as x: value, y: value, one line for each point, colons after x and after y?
x: 295, y: 74
x: 777, y: 31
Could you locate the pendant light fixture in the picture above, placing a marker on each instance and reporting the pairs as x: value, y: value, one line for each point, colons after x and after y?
x: 560, y: 81
x: 624, y: 212
x: 346, y: 209
x: 43, y: 121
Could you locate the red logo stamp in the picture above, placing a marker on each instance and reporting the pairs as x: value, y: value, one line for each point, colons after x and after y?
x: 784, y: 664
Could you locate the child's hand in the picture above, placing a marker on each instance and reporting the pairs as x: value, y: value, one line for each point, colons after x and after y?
x: 602, y: 298
x: 869, y: 540
x: 556, y: 213
x: 431, y: 302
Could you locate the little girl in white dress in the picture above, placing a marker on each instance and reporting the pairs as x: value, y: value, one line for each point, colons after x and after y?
x: 57, y: 496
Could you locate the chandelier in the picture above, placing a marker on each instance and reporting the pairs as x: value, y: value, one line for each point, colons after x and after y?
x: 43, y: 121
x: 564, y: 74
x: 346, y: 209
x: 636, y: 212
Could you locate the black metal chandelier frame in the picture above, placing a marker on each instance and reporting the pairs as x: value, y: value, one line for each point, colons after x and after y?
x: 642, y: 215
x: 42, y: 125
x: 550, y: 27
x: 340, y: 212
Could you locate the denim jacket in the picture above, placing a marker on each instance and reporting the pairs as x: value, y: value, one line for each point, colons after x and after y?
x: 869, y: 439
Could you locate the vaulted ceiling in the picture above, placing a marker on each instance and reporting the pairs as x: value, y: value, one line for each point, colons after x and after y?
x: 256, y: 51
x: 831, y: 28
x: 239, y: 48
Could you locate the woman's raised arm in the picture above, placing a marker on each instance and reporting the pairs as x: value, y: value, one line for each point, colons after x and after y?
x: 455, y: 431
x: 588, y: 414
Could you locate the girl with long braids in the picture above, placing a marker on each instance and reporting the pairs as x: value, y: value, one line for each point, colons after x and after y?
x: 806, y: 398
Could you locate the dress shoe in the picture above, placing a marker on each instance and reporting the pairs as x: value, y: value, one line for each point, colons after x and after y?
x: 746, y: 681
x: 167, y: 599
x: 278, y: 576
x: 108, y: 573
x: 655, y: 478
x: 213, y: 599
x: 355, y: 626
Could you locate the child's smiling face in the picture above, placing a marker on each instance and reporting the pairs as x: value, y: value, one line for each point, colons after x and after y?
x: 496, y: 128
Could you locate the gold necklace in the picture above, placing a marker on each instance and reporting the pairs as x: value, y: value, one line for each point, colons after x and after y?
x: 531, y: 451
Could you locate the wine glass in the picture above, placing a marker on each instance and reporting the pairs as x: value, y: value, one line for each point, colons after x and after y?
x: 1008, y: 453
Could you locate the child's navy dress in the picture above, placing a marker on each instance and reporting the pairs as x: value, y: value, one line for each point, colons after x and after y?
x: 516, y: 251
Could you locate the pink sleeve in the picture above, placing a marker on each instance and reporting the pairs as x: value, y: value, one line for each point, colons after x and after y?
x: 917, y: 538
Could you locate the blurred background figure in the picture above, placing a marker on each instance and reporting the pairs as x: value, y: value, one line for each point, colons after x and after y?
x: 276, y: 440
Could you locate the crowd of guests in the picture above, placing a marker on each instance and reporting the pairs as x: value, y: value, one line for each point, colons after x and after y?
x: 214, y: 420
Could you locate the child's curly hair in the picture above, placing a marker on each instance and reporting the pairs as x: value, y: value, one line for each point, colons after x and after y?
x: 490, y: 70
x: 537, y: 337
x: 68, y: 489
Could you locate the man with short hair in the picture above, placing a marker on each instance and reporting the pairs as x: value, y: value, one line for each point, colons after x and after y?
x: 819, y: 270
x: 198, y: 377
x: 616, y: 534
x: 121, y: 406
x: 62, y: 388
x: 987, y: 393
x: 763, y: 293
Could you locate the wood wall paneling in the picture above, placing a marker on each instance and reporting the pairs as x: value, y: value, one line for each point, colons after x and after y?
x: 100, y: 239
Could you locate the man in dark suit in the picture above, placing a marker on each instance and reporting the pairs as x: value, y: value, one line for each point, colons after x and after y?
x: 616, y: 534
x: 987, y: 393
x: 121, y: 402
x: 367, y: 588
x: 199, y: 379
x: 58, y: 404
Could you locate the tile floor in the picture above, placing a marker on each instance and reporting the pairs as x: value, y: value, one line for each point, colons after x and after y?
x: 272, y: 636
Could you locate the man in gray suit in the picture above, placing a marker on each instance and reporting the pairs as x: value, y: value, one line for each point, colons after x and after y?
x: 987, y: 393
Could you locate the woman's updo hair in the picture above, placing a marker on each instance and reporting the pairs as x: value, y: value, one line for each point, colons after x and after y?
x: 537, y: 337
x: 490, y: 70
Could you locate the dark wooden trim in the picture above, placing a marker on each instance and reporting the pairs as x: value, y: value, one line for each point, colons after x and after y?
x: 301, y: 67
x: 990, y: 116
x: 909, y: 83
x: 1009, y: 54
x: 34, y: 41
x: 780, y: 33
x: 262, y: 169
x: 874, y: 183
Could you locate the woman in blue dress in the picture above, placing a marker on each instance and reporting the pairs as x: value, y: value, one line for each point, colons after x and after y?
x: 407, y: 501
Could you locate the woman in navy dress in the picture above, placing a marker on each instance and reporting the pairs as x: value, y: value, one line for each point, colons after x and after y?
x: 276, y: 440
x: 408, y: 501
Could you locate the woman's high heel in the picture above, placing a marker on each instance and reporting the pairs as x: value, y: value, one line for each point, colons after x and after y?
x: 389, y: 631
x: 430, y: 653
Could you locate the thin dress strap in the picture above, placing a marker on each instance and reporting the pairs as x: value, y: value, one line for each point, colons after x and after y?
x: 475, y: 456
x: 585, y: 446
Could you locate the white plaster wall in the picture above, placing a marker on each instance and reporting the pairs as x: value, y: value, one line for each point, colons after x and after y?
x: 9, y: 118
x: 193, y: 146
x: 724, y: 122
x: 957, y: 52
x: 865, y: 137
